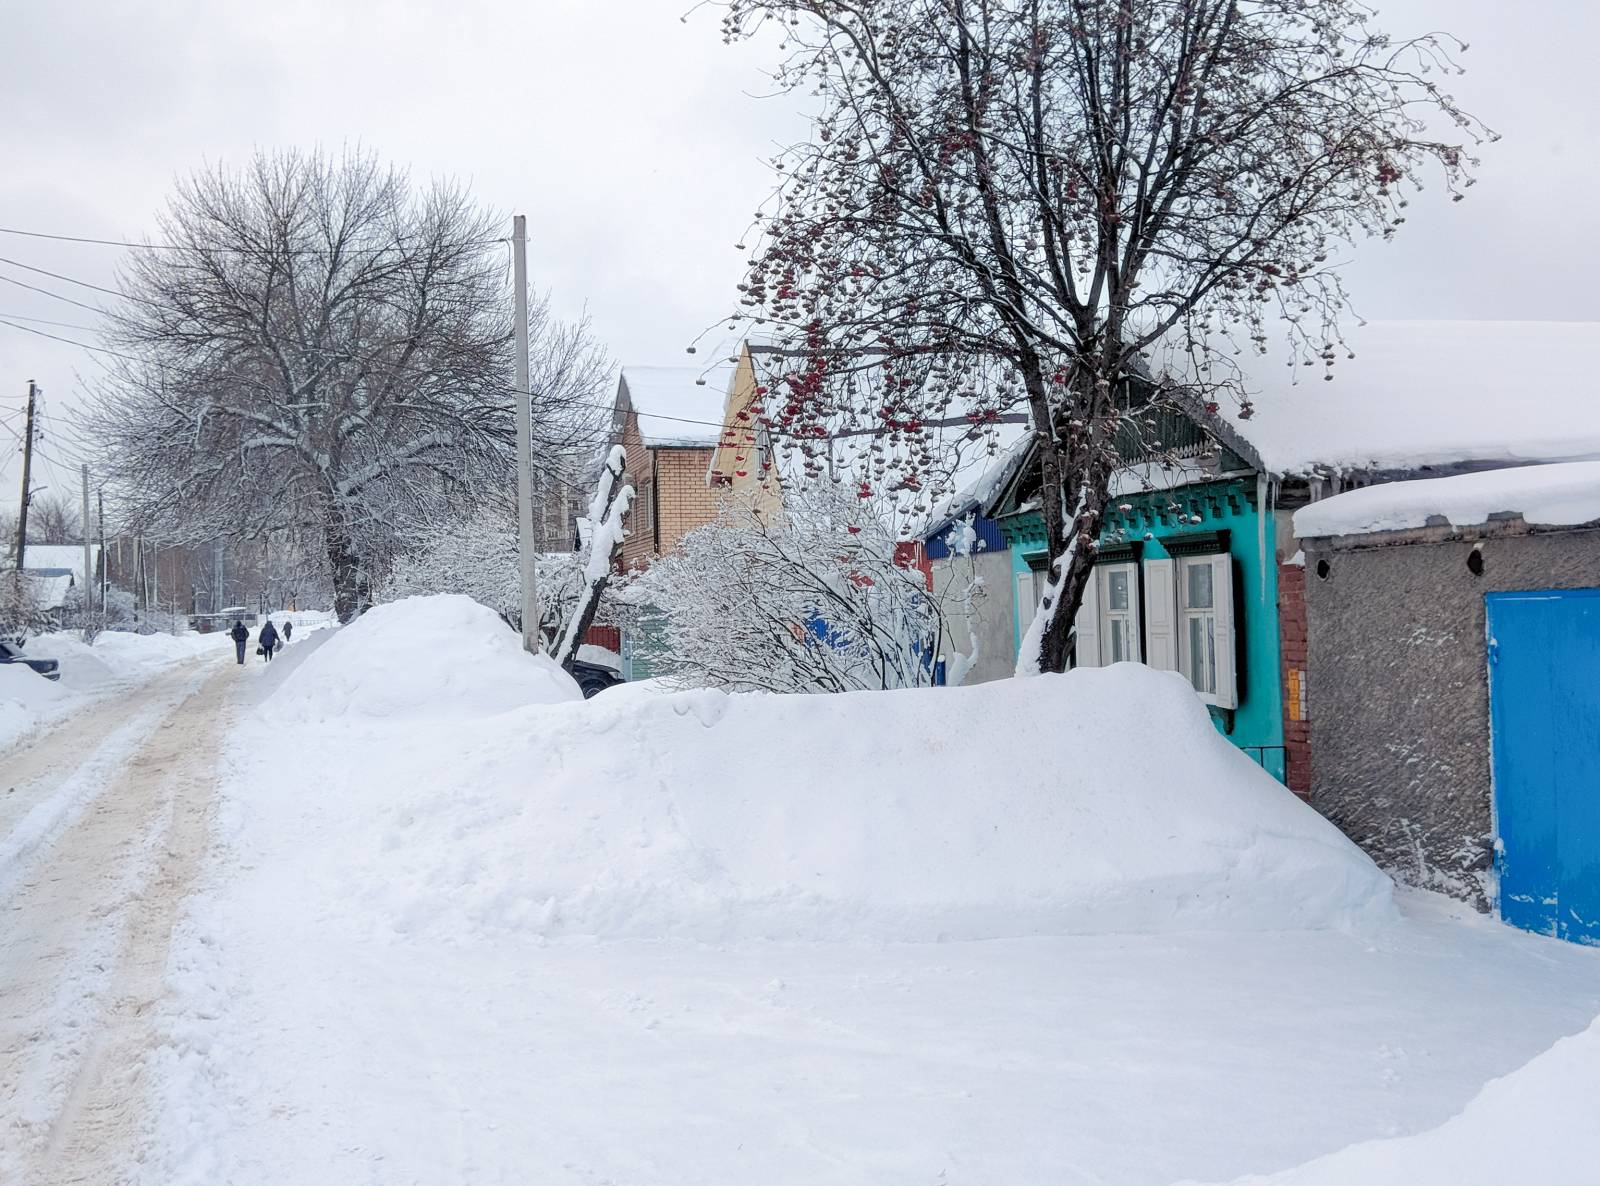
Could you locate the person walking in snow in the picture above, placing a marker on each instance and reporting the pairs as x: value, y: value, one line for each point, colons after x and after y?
x: 288, y: 632
x: 267, y: 639
x: 240, y: 636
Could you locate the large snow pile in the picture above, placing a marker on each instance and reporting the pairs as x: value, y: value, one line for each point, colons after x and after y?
x: 1012, y: 808
x: 440, y: 656
x: 1536, y: 1124
x: 1546, y: 495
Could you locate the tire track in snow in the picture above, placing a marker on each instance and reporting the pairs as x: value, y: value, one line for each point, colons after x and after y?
x: 99, y: 869
x: 55, y: 810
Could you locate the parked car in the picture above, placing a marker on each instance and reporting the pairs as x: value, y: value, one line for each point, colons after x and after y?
x: 11, y: 652
x: 593, y: 678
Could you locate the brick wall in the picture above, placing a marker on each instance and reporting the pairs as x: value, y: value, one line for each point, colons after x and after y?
x: 682, y: 496
x: 639, y: 473
x: 1292, y: 644
x: 672, y: 497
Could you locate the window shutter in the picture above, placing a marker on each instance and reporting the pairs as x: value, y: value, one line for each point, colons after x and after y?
x: 1161, y: 614
x: 1222, y: 587
x: 1087, y: 625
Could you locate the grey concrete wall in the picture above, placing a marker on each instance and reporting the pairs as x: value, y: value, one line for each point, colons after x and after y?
x: 1398, y: 688
x: 994, y: 612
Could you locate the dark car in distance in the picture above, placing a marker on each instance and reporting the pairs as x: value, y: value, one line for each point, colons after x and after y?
x: 593, y: 678
x: 11, y: 652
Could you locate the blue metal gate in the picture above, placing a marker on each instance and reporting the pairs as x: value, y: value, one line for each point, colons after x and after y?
x: 1544, y: 706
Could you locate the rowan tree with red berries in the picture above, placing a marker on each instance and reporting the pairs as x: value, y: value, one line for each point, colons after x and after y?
x: 1021, y: 203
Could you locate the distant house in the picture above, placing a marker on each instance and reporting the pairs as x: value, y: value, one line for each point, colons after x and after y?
x: 668, y: 420
x: 54, y: 570
x: 64, y: 556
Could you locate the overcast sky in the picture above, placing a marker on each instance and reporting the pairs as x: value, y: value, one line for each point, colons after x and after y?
x: 634, y: 142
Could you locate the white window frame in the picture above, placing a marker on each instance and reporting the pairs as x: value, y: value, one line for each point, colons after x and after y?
x: 1130, y: 617
x: 1220, y: 614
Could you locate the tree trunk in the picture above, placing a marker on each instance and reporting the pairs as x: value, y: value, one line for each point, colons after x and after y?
x: 352, y: 589
x: 1075, y: 478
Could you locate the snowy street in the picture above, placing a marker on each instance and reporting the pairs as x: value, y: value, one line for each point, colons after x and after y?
x: 332, y: 921
x: 105, y: 823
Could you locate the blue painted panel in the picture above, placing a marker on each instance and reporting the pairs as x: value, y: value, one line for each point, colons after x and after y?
x: 1544, y: 706
x: 990, y: 539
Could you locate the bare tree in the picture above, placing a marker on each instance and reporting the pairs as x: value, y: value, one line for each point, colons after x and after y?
x: 52, y: 519
x: 1014, y: 202
x: 324, y: 350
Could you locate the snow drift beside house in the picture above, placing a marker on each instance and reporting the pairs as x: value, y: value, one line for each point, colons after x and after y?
x: 1544, y: 495
x: 885, y: 816
x: 1533, y: 1125
x: 421, y: 657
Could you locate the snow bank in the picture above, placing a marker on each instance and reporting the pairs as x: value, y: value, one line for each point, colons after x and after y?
x: 1011, y: 808
x: 1533, y: 1125
x: 116, y: 660
x: 1547, y: 495
x: 26, y: 700
x: 441, y: 656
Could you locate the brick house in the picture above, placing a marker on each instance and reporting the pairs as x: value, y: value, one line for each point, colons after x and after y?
x: 667, y: 419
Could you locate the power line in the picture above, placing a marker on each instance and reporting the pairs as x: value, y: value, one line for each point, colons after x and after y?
x: 237, y: 250
x: 71, y: 280
x: 93, y: 329
x: 56, y: 295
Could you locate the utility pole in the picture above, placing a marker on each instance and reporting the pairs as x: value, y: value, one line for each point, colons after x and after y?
x: 27, y: 470
x: 100, y: 497
x: 531, y: 641
x: 88, y: 564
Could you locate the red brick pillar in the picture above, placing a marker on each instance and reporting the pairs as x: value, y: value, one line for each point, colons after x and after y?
x: 1292, y: 644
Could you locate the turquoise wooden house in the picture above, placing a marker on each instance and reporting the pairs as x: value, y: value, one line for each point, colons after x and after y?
x: 1186, y: 578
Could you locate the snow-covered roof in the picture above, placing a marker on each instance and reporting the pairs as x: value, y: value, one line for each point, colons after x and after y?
x: 1560, y: 494
x: 677, y: 406
x: 1430, y: 393
x: 61, y: 556
x: 49, y: 586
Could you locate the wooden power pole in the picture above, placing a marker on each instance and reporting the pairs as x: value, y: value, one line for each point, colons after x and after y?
x: 27, y: 472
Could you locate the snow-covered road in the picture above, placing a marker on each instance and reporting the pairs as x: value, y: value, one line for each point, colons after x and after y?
x: 103, y: 823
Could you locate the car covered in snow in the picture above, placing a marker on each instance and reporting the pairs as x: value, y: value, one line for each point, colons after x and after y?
x: 11, y: 652
x: 594, y: 678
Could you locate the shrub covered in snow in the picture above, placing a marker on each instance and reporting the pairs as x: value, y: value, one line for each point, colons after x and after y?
x: 814, y: 599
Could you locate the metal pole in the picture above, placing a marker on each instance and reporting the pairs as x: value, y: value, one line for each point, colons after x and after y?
x: 27, y: 470
x: 531, y: 641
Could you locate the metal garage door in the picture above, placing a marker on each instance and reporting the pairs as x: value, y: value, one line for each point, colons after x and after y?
x: 1544, y: 706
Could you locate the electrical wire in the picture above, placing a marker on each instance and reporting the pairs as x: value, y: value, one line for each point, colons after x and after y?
x: 236, y: 250
x: 83, y: 283
x: 56, y: 295
x: 93, y: 329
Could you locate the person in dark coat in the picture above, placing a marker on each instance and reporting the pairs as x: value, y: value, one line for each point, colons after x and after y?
x: 288, y: 632
x: 240, y: 636
x: 267, y: 639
